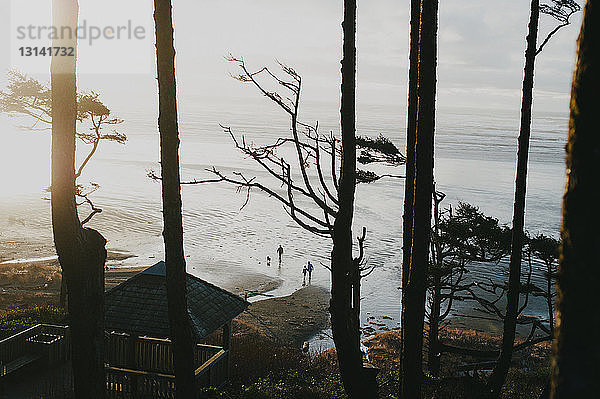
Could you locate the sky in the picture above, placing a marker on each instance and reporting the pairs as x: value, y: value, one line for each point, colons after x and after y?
x: 481, y: 47
x: 480, y: 54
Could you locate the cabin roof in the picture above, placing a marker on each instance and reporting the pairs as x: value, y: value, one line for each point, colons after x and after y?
x: 139, y: 305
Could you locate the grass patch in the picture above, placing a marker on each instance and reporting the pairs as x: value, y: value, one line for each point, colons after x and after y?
x: 17, y: 319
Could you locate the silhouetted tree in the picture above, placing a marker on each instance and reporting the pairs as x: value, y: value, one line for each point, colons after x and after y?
x: 409, y: 182
x: 30, y: 97
x: 345, y: 272
x: 510, y: 321
x: 436, y: 272
x: 334, y: 200
x: 561, y: 10
x: 179, y: 321
x: 491, y: 242
x: 320, y: 152
x: 546, y: 249
x: 318, y: 159
x: 332, y: 197
x: 576, y: 353
x: 416, y: 287
x: 459, y: 237
x: 26, y: 96
x: 81, y: 251
x: 465, y: 235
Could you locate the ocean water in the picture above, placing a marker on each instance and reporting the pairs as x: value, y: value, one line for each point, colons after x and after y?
x: 475, y: 163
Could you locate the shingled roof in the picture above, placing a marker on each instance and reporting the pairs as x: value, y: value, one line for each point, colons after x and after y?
x: 139, y: 305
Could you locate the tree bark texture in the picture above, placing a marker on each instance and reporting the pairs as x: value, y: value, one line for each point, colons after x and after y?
x: 576, y: 351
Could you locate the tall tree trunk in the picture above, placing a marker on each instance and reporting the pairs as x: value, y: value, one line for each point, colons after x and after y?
x: 179, y: 322
x: 345, y: 318
x: 411, y: 133
x: 514, y: 279
x: 81, y: 252
x: 576, y: 352
x: 433, y: 357
x: 412, y: 345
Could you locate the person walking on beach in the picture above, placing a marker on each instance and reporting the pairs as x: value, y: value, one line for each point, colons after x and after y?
x: 280, y: 253
x: 304, y: 270
x: 268, y: 261
x: 310, y: 269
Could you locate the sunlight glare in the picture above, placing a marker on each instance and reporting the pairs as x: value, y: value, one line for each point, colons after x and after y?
x: 24, y: 160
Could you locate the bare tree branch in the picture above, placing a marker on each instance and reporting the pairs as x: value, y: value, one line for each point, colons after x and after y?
x: 562, y: 10
x: 244, y: 182
x: 81, y: 192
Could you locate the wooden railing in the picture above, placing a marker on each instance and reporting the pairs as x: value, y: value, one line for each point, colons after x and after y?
x: 136, y: 366
x: 205, y: 352
x: 60, y: 351
x: 153, y: 354
x: 116, y: 349
x: 149, y: 354
x: 13, y: 347
x: 126, y: 383
x: 215, y: 371
x: 18, y: 346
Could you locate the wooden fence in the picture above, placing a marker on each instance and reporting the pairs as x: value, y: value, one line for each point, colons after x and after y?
x: 136, y: 367
x: 149, y: 354
x: 40, y: 342
x: 128, y: 383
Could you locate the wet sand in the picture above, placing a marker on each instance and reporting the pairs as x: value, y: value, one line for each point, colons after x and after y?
x: 31, y: 275
x: 291, y: 319
x: 36, y: 279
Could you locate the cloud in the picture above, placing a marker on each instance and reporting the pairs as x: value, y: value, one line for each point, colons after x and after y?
x: 481, y: 45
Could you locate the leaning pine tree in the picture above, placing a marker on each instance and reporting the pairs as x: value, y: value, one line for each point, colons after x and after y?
x: 179, y: 322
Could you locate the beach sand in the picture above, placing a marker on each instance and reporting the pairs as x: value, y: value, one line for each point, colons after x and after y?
x: 27, y: 281
x: 291, y: 319
x: 35, y: 279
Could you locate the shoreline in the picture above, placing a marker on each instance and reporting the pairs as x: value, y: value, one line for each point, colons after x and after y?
x: 290, y: 319
x: 30, y: 281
